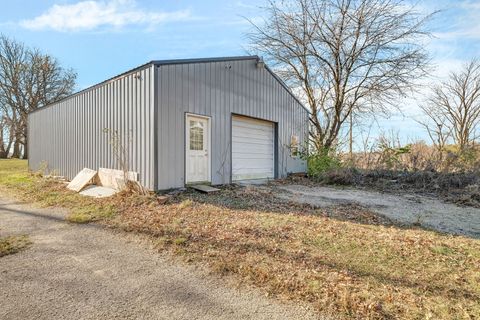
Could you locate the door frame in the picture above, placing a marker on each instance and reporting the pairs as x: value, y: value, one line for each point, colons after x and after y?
x: 209, y: 146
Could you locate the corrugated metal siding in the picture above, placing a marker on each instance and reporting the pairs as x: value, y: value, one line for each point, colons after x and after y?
x: 218, y: 90
x: 68, y: 135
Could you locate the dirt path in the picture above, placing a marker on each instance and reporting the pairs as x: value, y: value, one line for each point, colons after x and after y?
x: 406, y: 209
x: 87, y: 272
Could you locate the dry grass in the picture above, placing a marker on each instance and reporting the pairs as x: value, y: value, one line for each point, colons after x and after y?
x: 344, y: 261
x: 13, y: 244
x: 17, y: 181
x: 358, y: 270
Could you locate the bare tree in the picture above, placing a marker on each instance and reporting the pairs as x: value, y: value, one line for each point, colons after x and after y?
x: 4, y: 145
x: 346, y: 56
x: 436, y: 127
x: 454, y: 105
x: 29, y: 80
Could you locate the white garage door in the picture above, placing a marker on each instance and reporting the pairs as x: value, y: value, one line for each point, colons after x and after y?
x: 252, y: 149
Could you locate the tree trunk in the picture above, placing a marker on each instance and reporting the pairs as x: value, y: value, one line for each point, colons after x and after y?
x: 16, y: 149
x: 25, y: 150
x: 9, y: 147
x: 3, y: 152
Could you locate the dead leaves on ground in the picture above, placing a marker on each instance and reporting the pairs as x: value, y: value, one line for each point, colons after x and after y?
x: 366, y: 269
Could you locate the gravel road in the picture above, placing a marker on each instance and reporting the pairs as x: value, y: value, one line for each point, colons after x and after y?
x: 88, y: 272
x: 406, y: 209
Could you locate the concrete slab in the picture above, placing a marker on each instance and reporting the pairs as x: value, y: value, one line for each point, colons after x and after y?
x: 82, y: 179
x: 98, y: 192
x: 204, y: 188
x: 254, y: 182
x: 115, y: 179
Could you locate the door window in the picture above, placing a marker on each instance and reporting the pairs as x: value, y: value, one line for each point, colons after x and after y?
x: 196, y: 135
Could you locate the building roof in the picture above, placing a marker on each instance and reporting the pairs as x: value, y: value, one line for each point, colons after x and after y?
x: 179, y: 61
x: 200, y: 60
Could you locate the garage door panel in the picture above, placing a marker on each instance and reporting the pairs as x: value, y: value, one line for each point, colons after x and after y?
x: 252, y: 136
x: 254, y: 155
x: 248, y: 121
x: 255, y: 135
x: 255, y: 169
x: 252, y: 168
x: 253, y: 126
x: 243, y: 146
x: 253, y: 131
x: 252, y: 149
x: 258, y: 172
x: 254, y: 163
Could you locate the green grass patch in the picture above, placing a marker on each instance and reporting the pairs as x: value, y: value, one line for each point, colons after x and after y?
x: 16, y: 180
x: 180, y: 241
x: 14, y: 173
x: 90, y: 213
x: 13, y: 244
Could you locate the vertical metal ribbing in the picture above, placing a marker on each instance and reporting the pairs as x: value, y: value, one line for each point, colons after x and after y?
x: 215, y: 90
x: 69, y: 135
x: 153, y: 106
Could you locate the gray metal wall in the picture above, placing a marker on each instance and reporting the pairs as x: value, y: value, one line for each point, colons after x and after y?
x: 218, y: 89
x: 68, y: 135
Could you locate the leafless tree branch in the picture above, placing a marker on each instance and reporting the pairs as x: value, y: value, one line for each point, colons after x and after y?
x: 29, y: 80
x: 453, y: 108
x: 347, y: 56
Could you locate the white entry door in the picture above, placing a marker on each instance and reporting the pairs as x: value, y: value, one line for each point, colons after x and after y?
x: 197, y: 149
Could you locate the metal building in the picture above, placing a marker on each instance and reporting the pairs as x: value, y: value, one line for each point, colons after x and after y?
x: 213, y: 120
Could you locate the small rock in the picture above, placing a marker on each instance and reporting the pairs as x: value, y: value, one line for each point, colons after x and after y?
x: 472, y: 188
x: 162, y: 199
x: 177, y: 191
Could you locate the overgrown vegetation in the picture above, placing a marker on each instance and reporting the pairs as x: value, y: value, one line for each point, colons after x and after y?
x: 388, y: 153
x: 385, y: 164
x: 13, y: 244
x: 321, y: 162
x: 341, y: 260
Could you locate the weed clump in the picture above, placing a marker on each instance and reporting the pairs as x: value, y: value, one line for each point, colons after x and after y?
x: 13, y: 244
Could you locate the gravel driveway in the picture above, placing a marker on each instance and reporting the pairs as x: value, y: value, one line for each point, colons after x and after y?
x: 406, y: 209
x: 88, y: 272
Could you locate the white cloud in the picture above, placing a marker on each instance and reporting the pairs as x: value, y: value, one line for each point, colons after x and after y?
x: 462, y: 21
x: 91, y: 15
x: 472, y: 32
x: 469, y: 5
x: 242, y: 4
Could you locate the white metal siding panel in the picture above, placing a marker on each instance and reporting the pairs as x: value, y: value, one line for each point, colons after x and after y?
x: 218, y: 90
x: 68, y: 136
x: 252, y: 149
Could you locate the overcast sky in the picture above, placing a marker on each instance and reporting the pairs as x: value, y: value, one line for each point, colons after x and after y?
x: 100, y: 39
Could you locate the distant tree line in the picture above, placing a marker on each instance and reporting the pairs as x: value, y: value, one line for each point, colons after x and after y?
x: 29, y: 79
